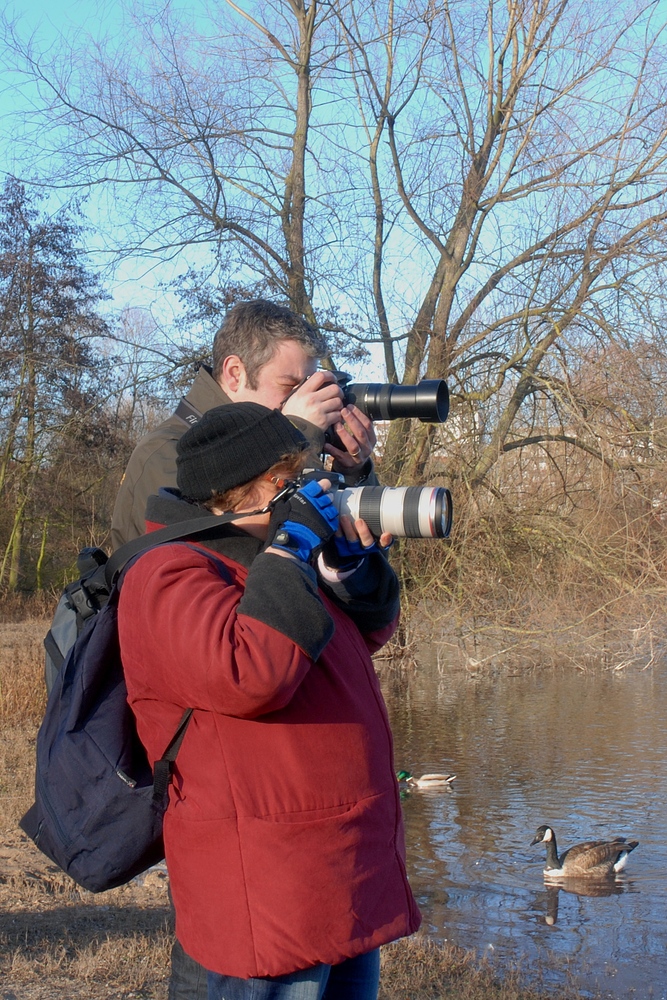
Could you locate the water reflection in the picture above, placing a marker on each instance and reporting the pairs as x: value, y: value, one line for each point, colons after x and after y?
x: 586, y: 753
x: 579, y: 887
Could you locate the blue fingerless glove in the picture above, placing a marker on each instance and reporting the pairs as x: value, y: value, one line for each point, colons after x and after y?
x: 352, y: 550
x: 303, y: 523
x: 339, y: 554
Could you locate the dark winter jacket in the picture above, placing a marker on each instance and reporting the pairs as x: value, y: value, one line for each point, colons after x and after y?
x: 153, y: 462
x: 283, y: 836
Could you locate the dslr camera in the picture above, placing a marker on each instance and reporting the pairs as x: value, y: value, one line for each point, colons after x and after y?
x: 404, y: 511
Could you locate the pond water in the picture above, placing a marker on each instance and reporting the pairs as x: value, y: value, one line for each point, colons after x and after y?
x: 585, y: 754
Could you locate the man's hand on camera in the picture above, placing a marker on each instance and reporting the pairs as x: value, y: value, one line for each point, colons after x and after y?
x: 319, y: 400
x: 356, y: 433
x: 302, y: 523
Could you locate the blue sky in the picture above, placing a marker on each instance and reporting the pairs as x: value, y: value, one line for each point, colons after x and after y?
x: 135, y: 282
x: 55, y: 15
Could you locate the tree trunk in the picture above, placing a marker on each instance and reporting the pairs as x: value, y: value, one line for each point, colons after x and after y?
x: 294, y: 208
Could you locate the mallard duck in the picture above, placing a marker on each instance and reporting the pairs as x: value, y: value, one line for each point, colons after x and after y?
x: 426, y: 780
x: 594, y: 858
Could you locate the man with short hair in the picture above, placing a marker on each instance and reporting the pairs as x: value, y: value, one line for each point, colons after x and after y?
x: 262, y: 353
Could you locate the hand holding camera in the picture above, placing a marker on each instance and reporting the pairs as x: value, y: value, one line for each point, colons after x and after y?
x: 349, y: 432
x: 345, y: 410
x: 351, y: 440
x: 303, y: 521
x: 318, y: 399
x: 351, y: 543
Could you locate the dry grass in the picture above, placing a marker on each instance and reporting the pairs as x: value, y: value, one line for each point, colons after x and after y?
x: 59, y: 941
x: 551, y: 563
x: 27, y: 607
x: 56, y: 940
x: 418, y: 969
x: 22, y: 691
x: 516, y: 605
x: 537, y: 634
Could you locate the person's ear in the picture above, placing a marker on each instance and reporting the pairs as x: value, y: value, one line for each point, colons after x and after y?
x: 233, y: 376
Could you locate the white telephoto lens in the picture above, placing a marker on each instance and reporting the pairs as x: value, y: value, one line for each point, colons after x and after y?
x: 403, y: 511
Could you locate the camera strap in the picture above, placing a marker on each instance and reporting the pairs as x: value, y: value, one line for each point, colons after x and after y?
x: 173, y: 532
x: 188, y: 413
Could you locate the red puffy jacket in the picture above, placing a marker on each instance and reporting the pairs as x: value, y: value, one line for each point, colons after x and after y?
x: 283, y: 836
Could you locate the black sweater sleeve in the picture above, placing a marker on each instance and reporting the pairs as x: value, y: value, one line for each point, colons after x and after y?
x: 282, y: 593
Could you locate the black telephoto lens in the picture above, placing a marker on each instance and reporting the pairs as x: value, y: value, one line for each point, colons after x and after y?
x: 427, y: 401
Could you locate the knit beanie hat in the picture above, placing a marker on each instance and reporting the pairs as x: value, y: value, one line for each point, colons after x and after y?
x: 231, y: 445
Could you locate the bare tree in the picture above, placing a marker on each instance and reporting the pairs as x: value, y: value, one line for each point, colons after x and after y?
x: 482, y: 184
x: 526, y: 144
x: 205, y: 136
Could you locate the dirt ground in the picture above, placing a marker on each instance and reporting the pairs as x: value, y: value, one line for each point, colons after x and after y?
x: 58, y: 941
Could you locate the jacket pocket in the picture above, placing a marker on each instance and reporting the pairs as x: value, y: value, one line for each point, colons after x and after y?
x: 323, y: 883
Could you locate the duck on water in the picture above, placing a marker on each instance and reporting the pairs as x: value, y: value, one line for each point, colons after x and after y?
x: 426, y: 780
x: 594, y: 858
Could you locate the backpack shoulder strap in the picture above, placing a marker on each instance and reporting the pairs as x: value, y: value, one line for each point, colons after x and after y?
x: 53, y: 650
x: 162, y: 768
x: 172, y: 533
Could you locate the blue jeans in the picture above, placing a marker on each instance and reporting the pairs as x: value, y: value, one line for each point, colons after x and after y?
x: 188, y: 978
x: 353, y: 979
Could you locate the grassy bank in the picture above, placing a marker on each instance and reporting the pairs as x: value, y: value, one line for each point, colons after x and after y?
x: 484, y: 618
x: 59, y: 942
x: 553, y: 562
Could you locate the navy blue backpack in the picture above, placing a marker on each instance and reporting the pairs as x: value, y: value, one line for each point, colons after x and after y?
x: 99, y: 803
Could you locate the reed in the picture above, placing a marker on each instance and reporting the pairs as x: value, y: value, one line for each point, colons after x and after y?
x: 22, y: 689
x: 524, y: 588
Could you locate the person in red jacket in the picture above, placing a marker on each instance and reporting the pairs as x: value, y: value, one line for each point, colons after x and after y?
x: 283, y: 835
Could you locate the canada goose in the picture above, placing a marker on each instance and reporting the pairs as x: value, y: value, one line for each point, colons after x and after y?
x: 595, y: 858
x: 426, y: 780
